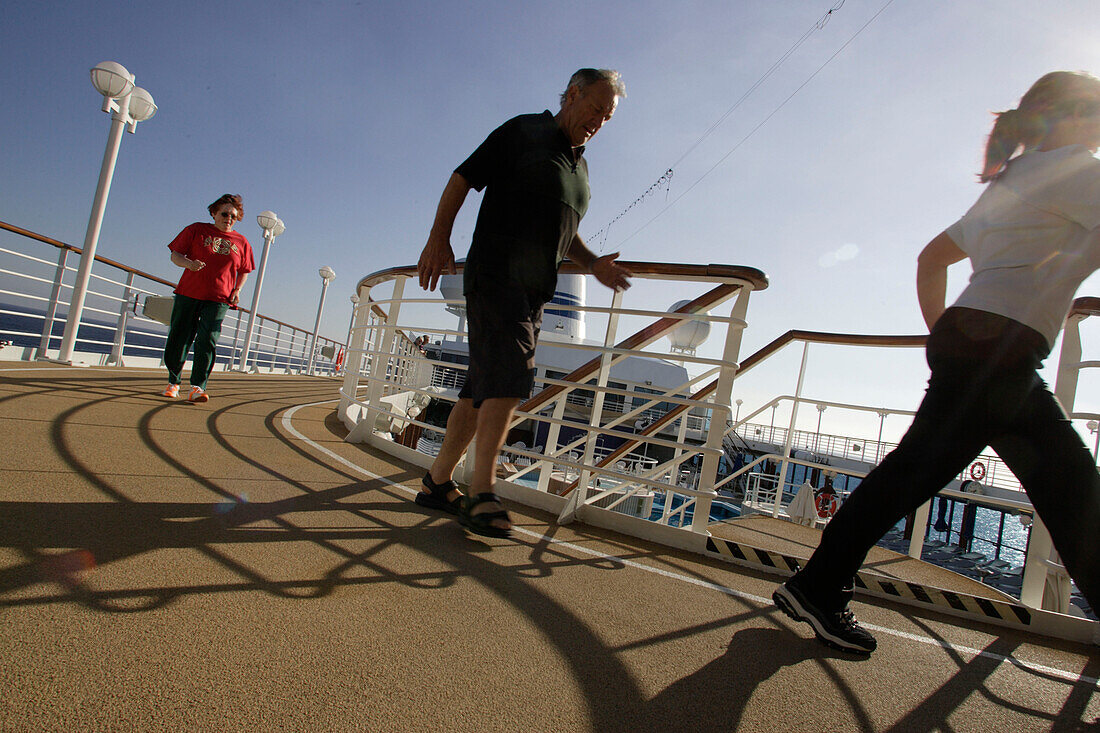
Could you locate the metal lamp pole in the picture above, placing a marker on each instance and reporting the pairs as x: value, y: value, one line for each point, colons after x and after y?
x: 129, y: 105
x: 273, y: 227
x: 817, y: 438
x: 327, y: 275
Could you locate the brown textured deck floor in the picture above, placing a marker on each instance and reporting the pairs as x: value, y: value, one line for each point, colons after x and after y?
x: 173, y: 567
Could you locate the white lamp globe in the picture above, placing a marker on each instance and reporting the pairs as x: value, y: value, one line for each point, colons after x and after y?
x: 279, y: 228
x: 142, y: 106
x: 267, y: 220
x: 327, y: 273
x: 111, y: 79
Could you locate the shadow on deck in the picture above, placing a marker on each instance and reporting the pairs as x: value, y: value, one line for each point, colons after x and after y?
x: 237, y: 566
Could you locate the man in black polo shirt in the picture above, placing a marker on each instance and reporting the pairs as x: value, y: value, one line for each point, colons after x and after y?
x: 536, y: 191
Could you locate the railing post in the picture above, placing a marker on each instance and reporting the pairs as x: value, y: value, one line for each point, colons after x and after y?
x: 1069, y: 363
x: 235, y: 353
x: 384, y: 345
x: 303, y: 366
x: 1046, y: 584
x: 120, y: 329
x: 878, y: 444
x: 722, y: 410
x: 551, y: 446
x: 597, y: 398
x: 51, y: 311
x: 920, y: 529
x: 1039, y: 548
x: 356, y: 337
x: 275, y: 347
x: 790, y: 431
x: 253, y: 347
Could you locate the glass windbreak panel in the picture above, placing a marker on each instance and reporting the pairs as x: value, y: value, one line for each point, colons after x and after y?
x: 551, y: 374
x: 582, y: 397
x: 615, y: 402
x: 654, y: 411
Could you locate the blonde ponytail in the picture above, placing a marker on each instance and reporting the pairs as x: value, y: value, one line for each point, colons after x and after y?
x: 1012, y: 130
x: 1054, y: 96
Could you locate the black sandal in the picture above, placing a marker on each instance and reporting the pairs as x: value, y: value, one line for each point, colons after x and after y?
x: 482, y: 523
x: 436, y: 495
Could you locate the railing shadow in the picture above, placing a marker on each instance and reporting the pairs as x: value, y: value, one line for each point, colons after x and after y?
x: 716, y: 695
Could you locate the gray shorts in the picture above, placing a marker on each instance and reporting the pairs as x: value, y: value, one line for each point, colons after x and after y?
x: 503, y: 323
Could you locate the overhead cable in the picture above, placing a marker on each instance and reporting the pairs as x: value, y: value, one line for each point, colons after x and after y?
x: 666, y: 177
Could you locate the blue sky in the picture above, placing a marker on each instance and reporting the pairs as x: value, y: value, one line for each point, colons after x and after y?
x: 346, y: 118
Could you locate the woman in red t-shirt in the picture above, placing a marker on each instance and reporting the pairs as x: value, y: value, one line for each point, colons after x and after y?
x: 216, y: 261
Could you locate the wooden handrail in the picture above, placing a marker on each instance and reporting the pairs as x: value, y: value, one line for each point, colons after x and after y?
x: 61, y: 245
x: 675, y: 270
x: 821, y: 337
x: 637, y: 340
x: 1085, y: 306
x: 627, y: 445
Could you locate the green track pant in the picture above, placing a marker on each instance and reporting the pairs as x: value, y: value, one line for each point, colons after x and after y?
x: 198, y: 322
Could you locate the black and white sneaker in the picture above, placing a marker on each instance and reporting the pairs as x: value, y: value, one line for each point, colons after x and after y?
x: 838, y: 629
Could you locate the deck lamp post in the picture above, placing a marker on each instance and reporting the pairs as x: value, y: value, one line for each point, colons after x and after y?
x: 817, y: 438
x: 273, y: 227
x: 327, y: 275
x: 128, y: 105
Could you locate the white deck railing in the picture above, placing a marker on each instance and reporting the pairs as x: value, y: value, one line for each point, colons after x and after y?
x: 648, y: 456
x: 36, y: 280
x: 578, y: 477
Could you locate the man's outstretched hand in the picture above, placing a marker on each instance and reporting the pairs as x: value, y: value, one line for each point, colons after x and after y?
x: 436, y: 260
x: 611, y: 273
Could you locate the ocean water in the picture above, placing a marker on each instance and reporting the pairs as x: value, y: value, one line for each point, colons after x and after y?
x: 996, y: 535
x: 989, y: 526
x: 26, y: 330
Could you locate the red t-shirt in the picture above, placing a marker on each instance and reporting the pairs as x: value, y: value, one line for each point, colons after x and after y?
x: 226, y: 254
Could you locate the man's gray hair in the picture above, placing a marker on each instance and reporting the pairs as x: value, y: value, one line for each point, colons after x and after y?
x: 583, y: 77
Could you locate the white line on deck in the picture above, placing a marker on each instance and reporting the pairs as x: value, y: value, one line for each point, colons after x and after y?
x: 962, y: 650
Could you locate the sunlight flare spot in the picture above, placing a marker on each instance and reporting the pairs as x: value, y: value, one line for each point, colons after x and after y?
x: 225, y: 507
x: 845, y: 253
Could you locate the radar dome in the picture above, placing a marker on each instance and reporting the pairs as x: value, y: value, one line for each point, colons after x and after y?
x: 691, y: 333
x: 450, y: 287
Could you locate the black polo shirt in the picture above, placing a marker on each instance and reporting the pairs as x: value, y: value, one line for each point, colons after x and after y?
x: 536, y: 191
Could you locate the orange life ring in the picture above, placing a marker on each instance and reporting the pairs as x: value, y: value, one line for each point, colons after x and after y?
x: 340, y: 360
x: 977, y: 471
x: 827, y: 504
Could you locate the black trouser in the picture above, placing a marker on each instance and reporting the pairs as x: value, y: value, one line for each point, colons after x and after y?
x: 984, y: 390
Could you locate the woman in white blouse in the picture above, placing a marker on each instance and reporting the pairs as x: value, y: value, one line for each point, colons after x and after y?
x: 1032, y: 239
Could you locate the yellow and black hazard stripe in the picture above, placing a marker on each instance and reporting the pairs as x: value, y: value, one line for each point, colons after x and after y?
x: 751, y: 555
x: 983, y: 607
x: 900, y: 590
